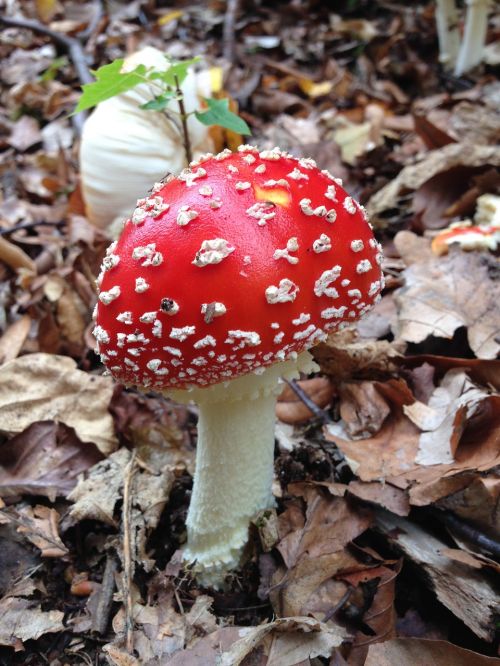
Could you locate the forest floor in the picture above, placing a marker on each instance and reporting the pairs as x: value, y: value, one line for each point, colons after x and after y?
x: 384, y: 547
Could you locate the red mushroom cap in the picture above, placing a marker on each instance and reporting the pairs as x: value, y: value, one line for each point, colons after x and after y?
x: 241, y: 261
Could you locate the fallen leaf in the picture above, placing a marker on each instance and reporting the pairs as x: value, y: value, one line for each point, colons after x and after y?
x: 291, y: 409
x: 97, y: 493
x: 444, y: 418
x: 382, y: 494
x: 39, y: 387
x: 23, y: 621
x: 13, y: 339
x: 414, y: 176
x: 438, y: 297
x: 25, y: 133
x: 419, y: 651
x: 293, y: 639
x: 41, y: 526
x: 45, y: 459
x: 14, y: 257
x: 345, y: 356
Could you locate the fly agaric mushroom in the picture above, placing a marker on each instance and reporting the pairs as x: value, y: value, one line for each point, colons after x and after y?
x: 221, y: 281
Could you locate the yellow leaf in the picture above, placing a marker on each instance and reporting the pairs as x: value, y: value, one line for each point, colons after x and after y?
x: 170, y: 16
x: 46, y: 9
x: 216, y: 76
x: 313, y: 89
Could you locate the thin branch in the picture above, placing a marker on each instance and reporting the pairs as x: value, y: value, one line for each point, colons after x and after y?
x: 100, y: 620
x: 29, y: 225
x: 185, y: 129
x: 310, y: 404
x: 128, y: 557
x: 72, y: 46
x: 229, y: 29
x: 475, y: 536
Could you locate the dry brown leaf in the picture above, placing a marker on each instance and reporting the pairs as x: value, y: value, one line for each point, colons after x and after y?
x: 380, y: 616
x: 291, y: 409
x: 22, y: 621
x: 443, y: 420
x: 389, y: 453
x: 96, y: 496
x: 439, y: 297
x: 25, y: 133
x: 382, y: 494
x: 97, y: 493
x: 419, y: 651
x: 329, y: 524
x: 45, y: 459
x: 478, y: 501
x: 39, y: 387
x: 461, y: 589
x: 485, y: 373
x: 13, y: 256
x: 13, y: 339
x: 41, y: 526
x: 363, y: 408
x: 292, y: 639
x: 415, y: 175
x: 345, y: 355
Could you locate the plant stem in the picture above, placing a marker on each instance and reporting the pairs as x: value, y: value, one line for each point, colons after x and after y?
x: 476, y: 27
x: 234, y: 472
x: 184, y: 117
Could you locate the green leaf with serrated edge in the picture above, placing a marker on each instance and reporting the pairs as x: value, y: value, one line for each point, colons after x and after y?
x: 177, y: 70
x: 218, y: 113
x: 110, y: 81
x: 158, y: 103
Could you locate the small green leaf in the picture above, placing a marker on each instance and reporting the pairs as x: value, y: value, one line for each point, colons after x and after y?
x: 110, y: 81
x: 177, y: 70
x: 51, y: 72
x: 158, y: 103
x: 218, y: 113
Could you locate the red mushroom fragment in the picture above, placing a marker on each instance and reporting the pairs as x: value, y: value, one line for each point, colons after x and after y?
x: 221, y: 280
x: 468, y: 236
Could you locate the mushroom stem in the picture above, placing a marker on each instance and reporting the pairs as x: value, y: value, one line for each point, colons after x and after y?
x: 234, y: 467
x: 447, y: 29
x: 476, y: 27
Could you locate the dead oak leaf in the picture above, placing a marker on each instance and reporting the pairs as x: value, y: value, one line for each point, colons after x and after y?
x: 22, y: 621
x: 418, y: 651
x: 40, y: 525
x: 40, y: 387
x: 444, y: 418
x: 45, y: 459
x: 439, y: 297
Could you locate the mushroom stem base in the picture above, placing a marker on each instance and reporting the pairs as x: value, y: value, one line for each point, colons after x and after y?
x: 234, y: 468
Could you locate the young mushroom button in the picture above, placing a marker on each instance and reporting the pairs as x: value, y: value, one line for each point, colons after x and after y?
x: 218, y: 296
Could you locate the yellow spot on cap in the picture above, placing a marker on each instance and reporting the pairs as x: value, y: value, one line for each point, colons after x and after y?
x: 277, y: 195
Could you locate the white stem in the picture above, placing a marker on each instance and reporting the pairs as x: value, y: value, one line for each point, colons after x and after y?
x: 476, y: 26
x: 447, y: 29
x: 234, y: 473
x: 234, y: 466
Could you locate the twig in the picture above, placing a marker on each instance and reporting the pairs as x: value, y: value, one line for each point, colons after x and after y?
x: 228, y: 30
x: 335, y: 609
x: 128, y: 557
x: 72, y: 46
x: 185, y: 131
x: 101, y: 618
x: 29, y: 225
x: 492, y: 546
x: 310, y: 404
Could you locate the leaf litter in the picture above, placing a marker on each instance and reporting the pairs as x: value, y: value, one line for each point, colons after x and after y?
x: 386, y: 529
